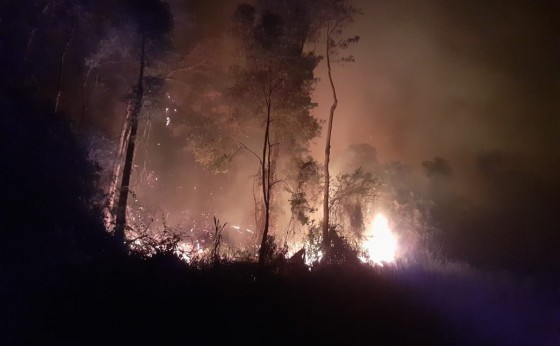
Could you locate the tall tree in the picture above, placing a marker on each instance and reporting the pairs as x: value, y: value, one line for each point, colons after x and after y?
x: 336, y: 16
x: 278, y: 71
x: 152, y: 22
x: 263, y: 72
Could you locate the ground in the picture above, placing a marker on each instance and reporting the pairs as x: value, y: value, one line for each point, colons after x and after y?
x: 162, y: 301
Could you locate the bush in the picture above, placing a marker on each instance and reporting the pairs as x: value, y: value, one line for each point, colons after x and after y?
x: 47, y: 185
x: 338, y: 250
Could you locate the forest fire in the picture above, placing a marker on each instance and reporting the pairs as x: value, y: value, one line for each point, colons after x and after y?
x: 279, y: 171
x: 381, y: 243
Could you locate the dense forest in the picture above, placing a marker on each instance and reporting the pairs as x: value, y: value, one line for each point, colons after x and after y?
x: 167, y: 178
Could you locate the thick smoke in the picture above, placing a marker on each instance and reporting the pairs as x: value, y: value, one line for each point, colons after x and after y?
x: 474, y: 85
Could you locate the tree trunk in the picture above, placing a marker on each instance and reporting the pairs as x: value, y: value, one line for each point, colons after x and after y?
x: 30, y: 39
x: 274, y: 153
x: 265, y: 180
x: 123, y: 140
x: 85, y: 98
x: 133, y: 112
x: 328, y: 149
x: 259, y: 213
x: 61, y: 66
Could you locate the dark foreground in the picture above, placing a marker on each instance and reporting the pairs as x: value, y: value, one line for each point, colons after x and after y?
x: 162, y: 301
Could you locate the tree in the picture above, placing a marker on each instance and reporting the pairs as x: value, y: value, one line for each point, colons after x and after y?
x: 437, y: 168
x: 304, y: 190
x: 265, y: 104
x: 152, y: 22
x: 278, y: 72
x: 336, y: 16
x: 350, y: 196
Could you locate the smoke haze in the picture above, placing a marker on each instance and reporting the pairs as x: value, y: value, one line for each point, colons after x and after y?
x: 474, y: 84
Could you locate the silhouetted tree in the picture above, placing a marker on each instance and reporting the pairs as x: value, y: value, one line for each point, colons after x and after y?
x: 277, y: 71
x: 304, y: 189
x: 335, y: 16
x: 351, y: 195
x: 152, y: 22
x: 437, y: 168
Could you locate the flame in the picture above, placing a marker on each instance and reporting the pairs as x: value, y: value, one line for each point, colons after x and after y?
x: 381, y: 243
x: 310, y: 259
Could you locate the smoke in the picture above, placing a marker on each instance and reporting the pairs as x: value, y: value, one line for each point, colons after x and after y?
x: 474, y: 85
x: 434, y: 79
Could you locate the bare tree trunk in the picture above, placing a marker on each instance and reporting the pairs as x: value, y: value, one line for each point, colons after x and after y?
x: 61, y: 65
x: 134, y: 113
x: 274, y: 153
x: 259, y: 211
x: 85, y: 98
x: 328, y: 147
x: 265, y: 180
x: 123, y: 140
x: 31, y: 38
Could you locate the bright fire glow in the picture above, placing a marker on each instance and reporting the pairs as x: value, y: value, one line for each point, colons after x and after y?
x: 381, y: 243
x: 310, y: 259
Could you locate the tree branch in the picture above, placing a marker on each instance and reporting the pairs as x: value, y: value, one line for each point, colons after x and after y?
x: 277, y: 181
x: 243, y: 146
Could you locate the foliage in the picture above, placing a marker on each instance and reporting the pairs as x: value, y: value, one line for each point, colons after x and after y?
x: 334, y: 16
x: 163, y: 243
x: 337, y: 249
x: 275, y: 71
x: 437, y: 168
x: 268, y: 48
x: 147, y: 239
x: 352, y: 195
x: 218, y: 229
x: 305, y: 189
x: 273, y: 254
x: 314, y: 245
